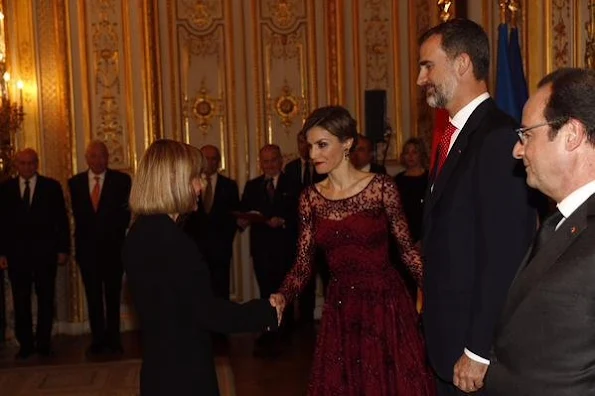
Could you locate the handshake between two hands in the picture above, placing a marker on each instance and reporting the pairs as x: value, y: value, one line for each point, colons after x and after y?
x: 278, y: 302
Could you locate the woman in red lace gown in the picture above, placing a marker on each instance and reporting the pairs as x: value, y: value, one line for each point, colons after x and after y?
x: 369, y: 341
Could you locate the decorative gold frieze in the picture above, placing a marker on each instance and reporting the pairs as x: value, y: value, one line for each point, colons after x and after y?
x: 202, y: 13
x: 105, y: 41
x: 286, y: 46
x: 283, y: 13
x: 376, y: 31
x: 335, y: 70
x: 590, y: 41
x: 560, y: 22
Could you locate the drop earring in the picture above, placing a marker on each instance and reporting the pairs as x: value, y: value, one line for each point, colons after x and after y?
x: 346, y: 154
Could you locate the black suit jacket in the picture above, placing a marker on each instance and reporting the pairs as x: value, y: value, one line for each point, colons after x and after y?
x: 377, y: 168
x: 35, y: 236
x: 293, y: 173
x: 477, y: 225
x: 170, y: 287
x: 102, y: 231
x: 214, y: 231
x: 263, y: 238
x: 544, y: 342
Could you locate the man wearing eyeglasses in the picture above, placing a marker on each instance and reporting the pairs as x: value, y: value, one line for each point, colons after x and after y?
x: 477, y: 222
x: 544, y: 342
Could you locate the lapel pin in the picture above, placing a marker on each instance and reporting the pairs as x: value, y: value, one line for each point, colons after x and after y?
x: 573, y: 230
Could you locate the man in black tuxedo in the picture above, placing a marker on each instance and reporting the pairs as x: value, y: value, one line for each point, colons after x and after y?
x: 301, y: 173
x: 544, y: 341
x: 363, y: 156
x: 477, y: 222
x: 34, y: 239
x: 212, y: 225
x: 272, y: 238
x: 101, y: 216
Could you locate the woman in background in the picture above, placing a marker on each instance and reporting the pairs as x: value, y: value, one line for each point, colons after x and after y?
x: 169, y: 279
x: 369, y: 341
x: 413, y: 182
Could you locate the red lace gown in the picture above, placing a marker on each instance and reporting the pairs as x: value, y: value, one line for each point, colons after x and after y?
x: 369, y: 341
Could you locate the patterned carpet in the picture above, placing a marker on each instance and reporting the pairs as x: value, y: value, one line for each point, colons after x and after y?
x: 90, y: 379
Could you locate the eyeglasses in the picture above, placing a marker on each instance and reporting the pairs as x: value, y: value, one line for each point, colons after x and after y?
x: 521, y: 132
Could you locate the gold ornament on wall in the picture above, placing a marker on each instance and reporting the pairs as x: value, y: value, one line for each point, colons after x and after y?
x: 287, y: 105
x: 283, y: 13
x: 446, y: 11
x: 201, y: 13
x: 203, y: 108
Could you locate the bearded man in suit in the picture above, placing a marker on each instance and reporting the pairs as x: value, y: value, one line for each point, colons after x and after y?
x: 544, y: 342
x: 34, y: 240
x: 99, y: 198
x: 477, y: 221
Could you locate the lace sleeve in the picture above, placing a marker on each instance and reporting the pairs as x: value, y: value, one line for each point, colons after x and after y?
x: 410, y: 254
x: 301, y: 272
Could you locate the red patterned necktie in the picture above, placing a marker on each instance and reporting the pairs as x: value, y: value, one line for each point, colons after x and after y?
x: 444, y: 144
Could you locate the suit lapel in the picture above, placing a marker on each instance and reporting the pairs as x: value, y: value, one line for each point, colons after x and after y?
x: 105, y: 189
x: 36, y: 191
x: 434, y: 192
x: 217, y: 193
x: 531, y: 273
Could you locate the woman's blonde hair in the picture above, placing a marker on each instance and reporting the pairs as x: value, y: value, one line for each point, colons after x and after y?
x: 163, y: 182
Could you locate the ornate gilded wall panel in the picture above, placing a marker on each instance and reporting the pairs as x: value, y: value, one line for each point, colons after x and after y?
x: 104, y: 43
x: 206, y: 68
x: 378, y: 60
x: 561, y: 24
x: 422, y: 16
x: 56, y: 129
x: 336, y: 56
x: 285, y: 66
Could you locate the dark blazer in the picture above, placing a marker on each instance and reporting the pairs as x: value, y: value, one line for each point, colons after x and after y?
x: 106, y: 228
x: 170, y: 288
x: 477, y: 225
x: 36, y: 236
x: 214, y: 231
x: 293, y: 172
x: 377, y: 168
x: 544, y: 342
x: 262, y: 237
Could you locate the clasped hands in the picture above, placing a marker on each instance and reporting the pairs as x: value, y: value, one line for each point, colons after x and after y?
x: 278, y: 302
x: 469, y: 374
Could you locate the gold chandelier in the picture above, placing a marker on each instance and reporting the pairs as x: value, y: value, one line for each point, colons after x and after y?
x: 11, y: 112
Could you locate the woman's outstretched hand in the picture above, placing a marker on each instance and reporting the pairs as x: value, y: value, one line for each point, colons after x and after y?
x: 278, y: 302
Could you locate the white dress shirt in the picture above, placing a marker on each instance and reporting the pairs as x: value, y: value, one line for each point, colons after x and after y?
x: 460, y: 119
x: 574, y: 200
x: 32, y: 183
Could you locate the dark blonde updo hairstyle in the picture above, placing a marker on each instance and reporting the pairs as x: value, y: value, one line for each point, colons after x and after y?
x: 336, y: 120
